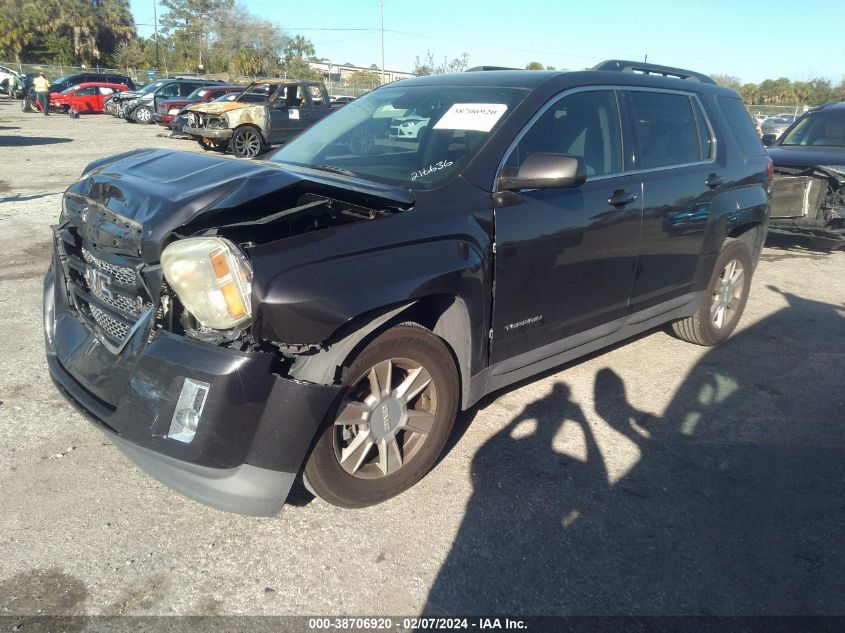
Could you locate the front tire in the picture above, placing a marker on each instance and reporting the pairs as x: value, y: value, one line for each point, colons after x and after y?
x: 391, y: 422
x: 143, y: 115
x: 724, y: 300
x: 247, y: 142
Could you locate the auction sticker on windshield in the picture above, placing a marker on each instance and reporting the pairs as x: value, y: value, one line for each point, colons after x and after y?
x: 480, y: 117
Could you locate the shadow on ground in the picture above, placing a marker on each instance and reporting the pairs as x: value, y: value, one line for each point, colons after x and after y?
x: 736, y: 505
x: 25, y: 141
x: 801, y: 243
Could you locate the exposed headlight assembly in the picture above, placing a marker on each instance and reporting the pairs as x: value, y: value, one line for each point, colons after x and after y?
x: 213, y: 279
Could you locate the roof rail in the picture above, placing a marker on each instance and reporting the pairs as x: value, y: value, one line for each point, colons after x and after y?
x: 477, y: 68
x: 620, y: 65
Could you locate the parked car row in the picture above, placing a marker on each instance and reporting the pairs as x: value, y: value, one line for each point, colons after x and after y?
x: 248, y: 121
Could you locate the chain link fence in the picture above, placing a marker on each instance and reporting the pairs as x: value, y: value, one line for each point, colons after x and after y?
x: 775, y: 110
x: 141, y: 76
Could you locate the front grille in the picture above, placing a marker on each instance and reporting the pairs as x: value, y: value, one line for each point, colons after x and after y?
x: 110, y: 297
x: 114, y: 329
x: 121, y: 274
x: 197, y: 120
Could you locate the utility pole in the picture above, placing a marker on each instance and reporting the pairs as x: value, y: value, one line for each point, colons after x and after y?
x: 155, y: 26
x: 381, y: 8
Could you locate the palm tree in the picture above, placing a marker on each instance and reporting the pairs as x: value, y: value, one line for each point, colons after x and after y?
x: 300, y: 47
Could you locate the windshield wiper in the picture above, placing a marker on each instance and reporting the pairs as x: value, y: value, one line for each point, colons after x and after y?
x: 335, y: 169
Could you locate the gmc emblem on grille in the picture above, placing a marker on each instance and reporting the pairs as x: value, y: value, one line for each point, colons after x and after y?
x: 98, y: 282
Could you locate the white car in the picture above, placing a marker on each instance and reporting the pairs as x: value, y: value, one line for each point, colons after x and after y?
x: 5, y: 73
x: 407, y: 127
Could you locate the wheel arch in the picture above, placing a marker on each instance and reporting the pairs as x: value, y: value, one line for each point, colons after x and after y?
x: 444, y: 315
x: 254, y: 126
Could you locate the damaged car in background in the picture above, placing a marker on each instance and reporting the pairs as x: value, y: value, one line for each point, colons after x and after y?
x: 809, y: 189
x: 231, y: 325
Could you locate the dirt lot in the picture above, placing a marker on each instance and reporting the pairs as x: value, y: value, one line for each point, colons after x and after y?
x: 654, y: 478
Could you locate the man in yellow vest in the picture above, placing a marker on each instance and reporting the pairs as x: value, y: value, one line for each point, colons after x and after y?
x: 42, y: 93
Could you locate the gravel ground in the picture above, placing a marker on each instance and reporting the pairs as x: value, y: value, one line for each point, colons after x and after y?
x: 653, y: 478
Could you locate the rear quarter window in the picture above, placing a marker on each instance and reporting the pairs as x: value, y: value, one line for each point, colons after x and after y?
x: 741, y: 126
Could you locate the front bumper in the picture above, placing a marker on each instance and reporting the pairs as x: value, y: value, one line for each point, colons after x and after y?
x: 254, y: 432
x: 163, y: 119
x: 220, y: 134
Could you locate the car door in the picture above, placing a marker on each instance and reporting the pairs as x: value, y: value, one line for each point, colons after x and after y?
x: 675, y: 150
x: 289, y: 112
x: 565, y: 258
x: 168, y: 91
x: 103, y: 93
x: 85, y: 99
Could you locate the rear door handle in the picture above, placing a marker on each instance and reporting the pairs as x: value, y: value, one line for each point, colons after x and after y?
x: 714, y: 180
x: 620, y: 198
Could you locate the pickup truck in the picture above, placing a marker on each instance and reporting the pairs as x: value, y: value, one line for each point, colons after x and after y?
x: 247, y: 128
x: 232, y: 325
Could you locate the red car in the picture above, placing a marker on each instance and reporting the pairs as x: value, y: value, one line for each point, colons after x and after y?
x: 167, y: 110
x: 87, y: 98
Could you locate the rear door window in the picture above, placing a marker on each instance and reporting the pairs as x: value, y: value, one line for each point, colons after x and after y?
x: 666, y: 130
x: 741, y: 126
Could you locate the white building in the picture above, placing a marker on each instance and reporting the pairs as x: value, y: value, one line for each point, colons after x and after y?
x: 339, y: 72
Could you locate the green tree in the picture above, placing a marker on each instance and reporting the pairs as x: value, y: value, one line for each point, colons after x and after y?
x: 364, y: 77
x: 298, y: 47
x: 427, y: 65
x: 534, y: 66
x: 728, y: 81
x: 129, y: 54
x: 189, y: 22
x: 300, y: 69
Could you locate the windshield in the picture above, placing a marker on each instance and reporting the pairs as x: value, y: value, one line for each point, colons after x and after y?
x: 414, y: 137
x: 196, y: 94
x: 819, y: 128
x: 256, y: 93
x: 151, y: 87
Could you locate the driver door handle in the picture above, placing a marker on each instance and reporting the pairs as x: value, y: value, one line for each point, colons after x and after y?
x: 620, y: 198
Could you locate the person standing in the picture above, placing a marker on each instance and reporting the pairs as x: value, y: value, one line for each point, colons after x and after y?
x: 42, y: 93
x: 13, y: 80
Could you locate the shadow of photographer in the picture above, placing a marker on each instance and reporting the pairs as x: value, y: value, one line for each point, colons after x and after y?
x: 735, y: 506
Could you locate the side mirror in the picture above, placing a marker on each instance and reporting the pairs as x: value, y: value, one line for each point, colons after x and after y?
x: 545, y: 170
x: 769, y: 139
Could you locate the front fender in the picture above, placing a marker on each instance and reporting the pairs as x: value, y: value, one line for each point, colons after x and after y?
x: 308, y: 304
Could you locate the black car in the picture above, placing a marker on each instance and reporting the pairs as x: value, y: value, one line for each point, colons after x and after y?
x: 809, y: 190
x: 140, y: 106
x: 230, y: 324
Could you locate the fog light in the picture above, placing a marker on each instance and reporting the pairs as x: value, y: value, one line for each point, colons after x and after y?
x: 186, y: 417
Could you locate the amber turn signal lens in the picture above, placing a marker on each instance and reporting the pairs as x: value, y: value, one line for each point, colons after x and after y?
x: 233, y: 300
x: 218, y: 262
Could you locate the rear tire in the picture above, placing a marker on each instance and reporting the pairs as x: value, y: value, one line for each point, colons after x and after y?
x: 382, y: 437
x: 724, y: 300
x: 26, y: 105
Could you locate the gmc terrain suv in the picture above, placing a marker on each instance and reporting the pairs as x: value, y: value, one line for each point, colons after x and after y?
x: 231, y: 324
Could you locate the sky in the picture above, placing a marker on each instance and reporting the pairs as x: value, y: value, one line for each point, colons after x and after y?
x: 750, y: 39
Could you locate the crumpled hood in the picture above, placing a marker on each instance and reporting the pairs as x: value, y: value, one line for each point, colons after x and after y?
x: 219, y: 107
x: 164, y: 189
x: 807, y: 156
x: 125, y: 95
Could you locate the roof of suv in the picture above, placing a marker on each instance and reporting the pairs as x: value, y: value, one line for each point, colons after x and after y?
x: 612, y: 72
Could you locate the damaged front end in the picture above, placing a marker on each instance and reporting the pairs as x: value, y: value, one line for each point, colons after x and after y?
x: 151, y: 320
x: 810, y: 201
